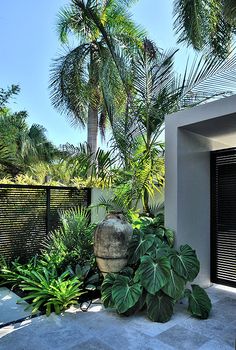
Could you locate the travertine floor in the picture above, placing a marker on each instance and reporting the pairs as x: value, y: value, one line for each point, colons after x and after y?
x: 98, y: 329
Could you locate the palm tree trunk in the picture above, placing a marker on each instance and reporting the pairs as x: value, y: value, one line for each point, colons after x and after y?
x: 92, y: 135
x: 146, y: 208
x: 92, y: 138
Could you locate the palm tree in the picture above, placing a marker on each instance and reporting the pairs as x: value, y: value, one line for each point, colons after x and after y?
x: 22, y: 145
x: 157, y: 92
x: 207, y: 24
x: 6, y: 95
x: 90, y: 78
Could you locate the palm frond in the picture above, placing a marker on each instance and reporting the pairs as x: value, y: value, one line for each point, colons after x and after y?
x: 208, y: 78
x: 5, y: 154
x: 230, y: 10
x: 68, y: 84
x: 67, y: 21
x: 206, y: 24
x: 190, y: 22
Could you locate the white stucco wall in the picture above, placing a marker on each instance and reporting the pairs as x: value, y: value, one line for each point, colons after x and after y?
x: 190, y: 136
x: 98, y: 214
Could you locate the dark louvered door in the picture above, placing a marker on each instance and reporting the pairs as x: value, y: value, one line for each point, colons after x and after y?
x: 223, y: 217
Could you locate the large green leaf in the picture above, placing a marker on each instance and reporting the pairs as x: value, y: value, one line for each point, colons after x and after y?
x: 107, y: 290
x: 127, y: 271
x: 159, y: 249
x: 199, y: 302
x: 185, y: 262
x: 175, y: 286
x: 170, y: 237
x: 138, y: 306
x: 159, y: 307
x: 154, y: 274
x: 139, y: 245
x: 125, y: 293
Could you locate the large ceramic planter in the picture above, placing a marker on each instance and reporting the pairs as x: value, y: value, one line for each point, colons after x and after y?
x: 111, y: 241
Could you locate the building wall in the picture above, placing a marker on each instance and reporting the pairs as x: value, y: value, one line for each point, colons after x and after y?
x: 193, y: 196
x: 98, y: 213
x: 190, y: 136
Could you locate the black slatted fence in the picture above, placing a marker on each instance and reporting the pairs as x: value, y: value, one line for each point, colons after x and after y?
x: 29, y: 213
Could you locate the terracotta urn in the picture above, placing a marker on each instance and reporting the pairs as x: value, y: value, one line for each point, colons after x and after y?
x: 111, y: 241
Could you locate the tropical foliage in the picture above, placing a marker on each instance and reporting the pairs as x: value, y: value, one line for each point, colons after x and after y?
x: 157, y: 90
x: 63, y: 274
x: 156, y: 275
x: 88, y: 76
x: 206, y: 24
x: 21, y: 145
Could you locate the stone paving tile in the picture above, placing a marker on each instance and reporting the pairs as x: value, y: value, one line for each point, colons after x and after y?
x: 43, y: 333
x: 224, y: 310
x: 10, y: 310
x: 142, y: 324
x: 91, y: 344
x: 182, y: 338
x: 216, y: 345
x: 104, y: 330
x: 130, y: 339
x: 215, y: 329
x: 217, y: 292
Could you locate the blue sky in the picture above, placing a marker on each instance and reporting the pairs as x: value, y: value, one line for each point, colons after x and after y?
x: 29, y: 43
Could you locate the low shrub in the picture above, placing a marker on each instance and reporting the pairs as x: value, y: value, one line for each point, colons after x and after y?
x: 156, y: 275
x: 65, y: 272
x: 72, y: 243
x: 49, y: 292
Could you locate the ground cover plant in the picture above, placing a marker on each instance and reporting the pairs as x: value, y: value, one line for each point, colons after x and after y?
x: 65, y: 271
x: 156, y: 275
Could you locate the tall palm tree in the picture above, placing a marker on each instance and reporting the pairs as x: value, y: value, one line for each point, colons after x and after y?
x: 207, y: 24
x: 89, y: 78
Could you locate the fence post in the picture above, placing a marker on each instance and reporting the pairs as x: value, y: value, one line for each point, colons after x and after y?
x: 48, y: 210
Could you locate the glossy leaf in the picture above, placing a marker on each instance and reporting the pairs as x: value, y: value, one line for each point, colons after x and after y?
x: 159, y: 307
x: 127, y: 271
x: 175, y: 286
x: 154, y: 274
x: 199, y: 302
x: 125, y: 293
x: 138, y: 306
x: 158, y: 250
x: 170, y: 237
x: 107, y: 290
x: 139, y: 245
x: 185, y: 262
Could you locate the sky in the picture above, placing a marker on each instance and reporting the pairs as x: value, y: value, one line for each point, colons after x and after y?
x: 29, y: 43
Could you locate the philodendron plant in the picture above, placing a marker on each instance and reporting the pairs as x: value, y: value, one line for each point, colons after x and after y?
x: 156, y: 275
